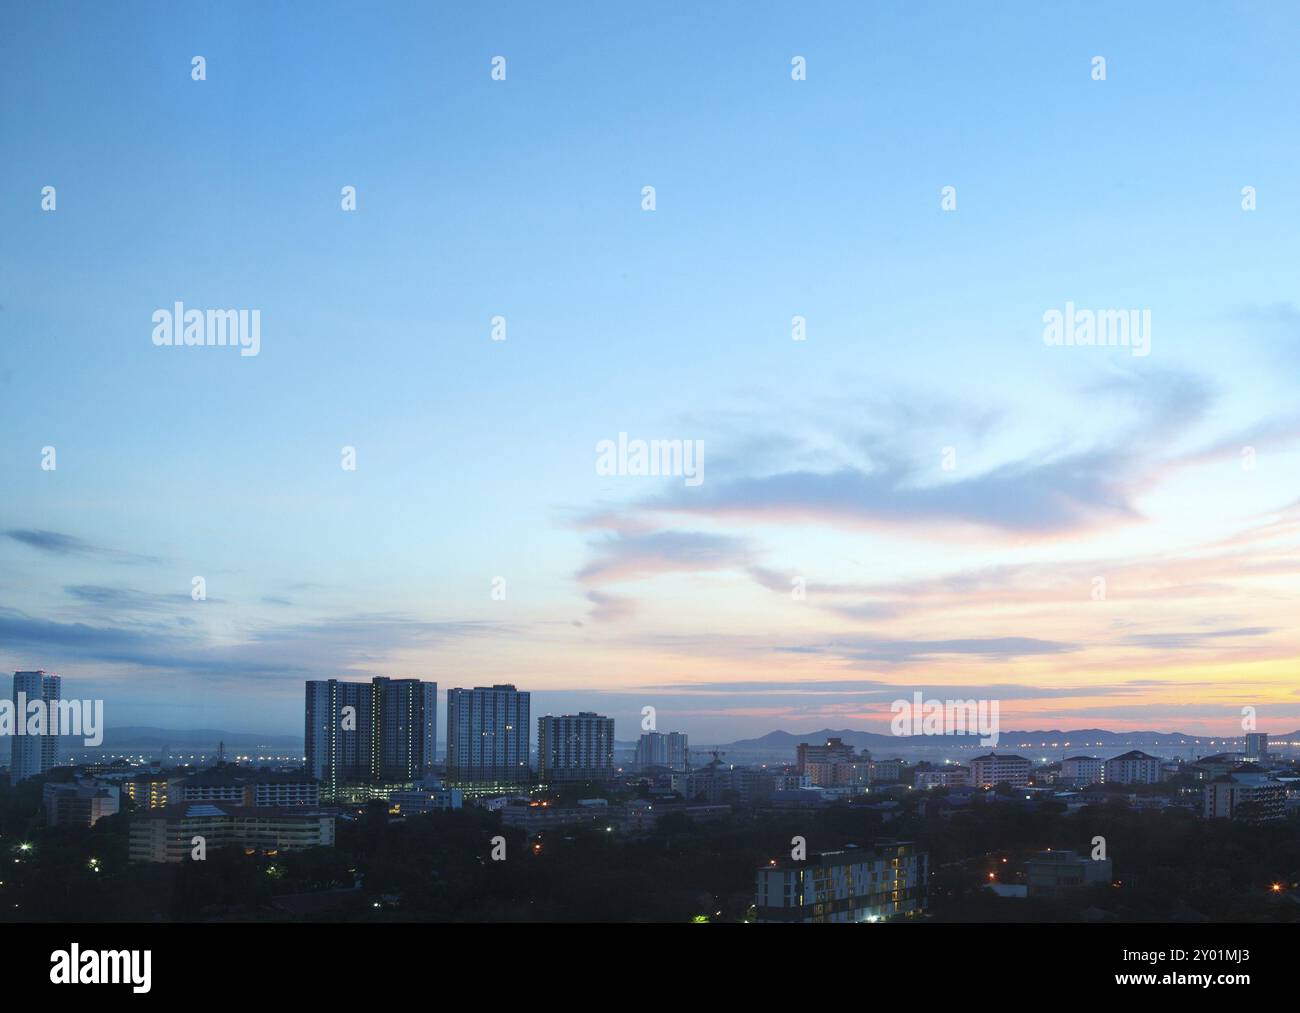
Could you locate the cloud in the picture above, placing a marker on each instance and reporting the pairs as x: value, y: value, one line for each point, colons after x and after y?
x: 56, y: 543
x: 609, y: 608
x: 880, y: 473
x: 902, y: 651
x: 302, y: 650
x: 633, y: 555
x: 124, y: 599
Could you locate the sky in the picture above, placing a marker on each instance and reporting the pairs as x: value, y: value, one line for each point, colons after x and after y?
x: 922, y: 494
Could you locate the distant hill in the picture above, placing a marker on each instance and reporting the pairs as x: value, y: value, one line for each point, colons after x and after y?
x: 781, y: 743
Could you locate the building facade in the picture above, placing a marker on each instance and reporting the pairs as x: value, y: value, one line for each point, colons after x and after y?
x: 1051, y: 873
x: 167, y: 834
x: 1252, y: 798
x: 33, y: 755
x: 381, y: 731
x: 1134, y: 767
x: 575, y: 747
x: 993, y: 769
x: 831, y: 751
x: 487, y: 737
x: 79, y: 803
x: 853, y: 885
x: 1083, y: 770
x: 663, y: 749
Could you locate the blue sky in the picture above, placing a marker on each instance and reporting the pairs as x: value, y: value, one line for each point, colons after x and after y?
x: 775, y: 198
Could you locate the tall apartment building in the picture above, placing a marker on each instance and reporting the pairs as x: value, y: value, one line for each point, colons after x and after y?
x: 575, y: 747
x: 31, y: 755
x: 404, y: 723
x: 383, y: 730
x: 990, y: 770
x: 853, y: 885
x: 1257, y: 746
x: 487, y: 737
x: 1133, y: 767
x: 663, y: 749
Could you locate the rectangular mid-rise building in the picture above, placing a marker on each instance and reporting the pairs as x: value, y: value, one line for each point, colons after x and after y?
x: 854, y: 885
x: 575, y: 747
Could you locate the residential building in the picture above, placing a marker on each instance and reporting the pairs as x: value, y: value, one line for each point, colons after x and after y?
x: 247, y: 787
x: 1252, y: 798
x: 832, y: 751
x: 32, y: 755
x: 1257, y: 746
x: 1133, y: 767
x: 487, y: 737
x: 992, y: 769
x: 381, y: 731
x: 885, y: 771
x: 82, y: 802
x: 403, y: 728
x: 656, y: 749
x: 1051, y: 873
x: 424, y: 800
x: 1083, y: 770
x: 575, y: 747
x: 945, y: 777
x: 853, y: 885
x: 150, y: 789
x: 838, y: 774
x: 167, y: 834
x: 338, y: 729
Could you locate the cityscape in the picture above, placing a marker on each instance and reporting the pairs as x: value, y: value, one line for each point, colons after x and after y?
x: 979, y: 834
x: 473, y: 467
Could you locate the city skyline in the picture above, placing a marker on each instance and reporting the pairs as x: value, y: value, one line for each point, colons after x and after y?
x: 916, y: 493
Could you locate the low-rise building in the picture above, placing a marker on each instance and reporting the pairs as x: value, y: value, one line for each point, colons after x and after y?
x: 1252, y: 798
x: 167, y: 834
x: 247, y: 786
x: 1051, y: 873
x: 150, y: 789
x: 1133, y: 767
x: 427, y: 800
x: 853, y: 885
x: 1083, y: 770
x: 946, y: 777
x: 82, y: 802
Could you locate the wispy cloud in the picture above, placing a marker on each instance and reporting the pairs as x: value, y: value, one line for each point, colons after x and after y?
x: 56, y: 543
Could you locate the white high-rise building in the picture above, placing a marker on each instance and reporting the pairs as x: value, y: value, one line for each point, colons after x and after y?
x: 660, y: 749
x: 31, y: 755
